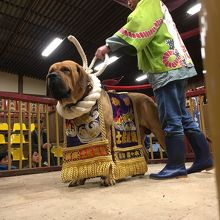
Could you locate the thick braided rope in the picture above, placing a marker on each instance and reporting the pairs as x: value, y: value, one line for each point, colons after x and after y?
x: 83, y: 106
x: 102, y: 122
x: 84, y: 59
x: 80, y: 50
x: 86, y: 104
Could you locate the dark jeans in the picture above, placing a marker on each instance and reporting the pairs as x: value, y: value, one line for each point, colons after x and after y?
x: 174, y: 117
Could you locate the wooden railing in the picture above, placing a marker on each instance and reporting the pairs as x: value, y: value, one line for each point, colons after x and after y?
x: 20, y: 117
x: 26, y: 112
x: 198, y: 107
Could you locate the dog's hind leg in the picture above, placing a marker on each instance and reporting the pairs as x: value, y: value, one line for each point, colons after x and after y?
x: 159, y: 134
x: 143, y: 135
x: 108, y: 180
x: 77, y: 183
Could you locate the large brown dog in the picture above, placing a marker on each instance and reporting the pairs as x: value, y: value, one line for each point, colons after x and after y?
x: 69, y: 83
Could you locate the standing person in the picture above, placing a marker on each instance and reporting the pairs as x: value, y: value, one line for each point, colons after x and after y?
x: 43, y: 140
x: 151, y: 34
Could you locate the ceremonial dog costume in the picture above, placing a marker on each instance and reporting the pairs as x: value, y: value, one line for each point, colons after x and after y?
x: 104, y: 137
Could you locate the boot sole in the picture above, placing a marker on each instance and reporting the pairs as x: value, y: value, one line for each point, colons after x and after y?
x: 168, y: 178
x: 199, y: 171
x: 210, y: 168
x: 179, y: 177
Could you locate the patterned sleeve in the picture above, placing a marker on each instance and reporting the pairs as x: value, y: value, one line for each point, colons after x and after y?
x: 122, y: 47
x: 142, y: 24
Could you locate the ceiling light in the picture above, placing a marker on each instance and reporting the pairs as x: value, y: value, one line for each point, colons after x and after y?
x: 111, y: 60
x: 51, y: 47
x: 194, y: 9
x: 141, y: 78
x: 203, y: 53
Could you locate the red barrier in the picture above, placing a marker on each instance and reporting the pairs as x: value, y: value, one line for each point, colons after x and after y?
x: 191, y: 93
x: 192, y: 33
x: 27, y: 98
x: 196, y: 92
x: 128, y: 88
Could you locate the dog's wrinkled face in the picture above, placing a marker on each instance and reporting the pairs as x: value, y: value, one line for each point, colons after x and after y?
x: 66, y: 82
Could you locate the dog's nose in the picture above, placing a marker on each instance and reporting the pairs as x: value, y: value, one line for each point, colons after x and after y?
x: 52, y: 75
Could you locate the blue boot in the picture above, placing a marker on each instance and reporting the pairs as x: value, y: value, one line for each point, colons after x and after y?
x: 176, y: 159
x: 203, y: 159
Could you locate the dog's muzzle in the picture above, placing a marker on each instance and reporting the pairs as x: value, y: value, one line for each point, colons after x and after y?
x: 57, y: 87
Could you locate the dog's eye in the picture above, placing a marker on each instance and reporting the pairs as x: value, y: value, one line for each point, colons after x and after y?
x: 65, y: 70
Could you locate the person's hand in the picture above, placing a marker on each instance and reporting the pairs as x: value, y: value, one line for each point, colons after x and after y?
x: 101, y: 51
x: 46, y: 145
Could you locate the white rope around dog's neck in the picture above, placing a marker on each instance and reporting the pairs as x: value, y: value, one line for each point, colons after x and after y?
x: 83, y: 106
x: 86, y: 104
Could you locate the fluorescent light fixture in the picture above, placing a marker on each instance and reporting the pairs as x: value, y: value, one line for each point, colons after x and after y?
x: 194, y: 9
x: 141, y: 78
x: 111, y: 60
x: 51, y: 47
x: 203, y: 52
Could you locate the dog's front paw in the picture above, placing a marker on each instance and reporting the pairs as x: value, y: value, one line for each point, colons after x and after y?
x: 77, y: 182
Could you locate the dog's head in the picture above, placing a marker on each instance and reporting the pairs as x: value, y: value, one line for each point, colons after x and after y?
x: 67, y: 82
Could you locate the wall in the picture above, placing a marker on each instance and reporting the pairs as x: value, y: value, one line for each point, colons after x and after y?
x: 211, y: 34
x: 8, y: 82
x: 34, y: 86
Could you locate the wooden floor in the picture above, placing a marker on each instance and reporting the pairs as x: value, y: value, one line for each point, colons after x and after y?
x: 44, y: 196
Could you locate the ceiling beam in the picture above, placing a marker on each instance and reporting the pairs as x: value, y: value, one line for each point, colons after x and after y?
x: 171, y: 4
x: 19, y: 25
x: 174, y: 4
x: 122, y: 2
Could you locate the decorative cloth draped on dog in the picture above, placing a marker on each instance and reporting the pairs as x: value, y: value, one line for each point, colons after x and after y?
x: 127, y: 148
x: 89, y: 154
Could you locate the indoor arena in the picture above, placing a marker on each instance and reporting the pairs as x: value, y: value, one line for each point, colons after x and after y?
x: 108, y: 109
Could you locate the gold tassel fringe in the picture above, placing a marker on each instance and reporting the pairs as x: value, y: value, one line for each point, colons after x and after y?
x: 130, y: 167
x: 91, y: 169
x: 86, y: 169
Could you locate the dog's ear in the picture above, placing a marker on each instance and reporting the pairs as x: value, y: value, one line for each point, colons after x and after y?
x: 48, y: 93
x: 47, y: 89
x: 79, y: 69
x: 83, y: 76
